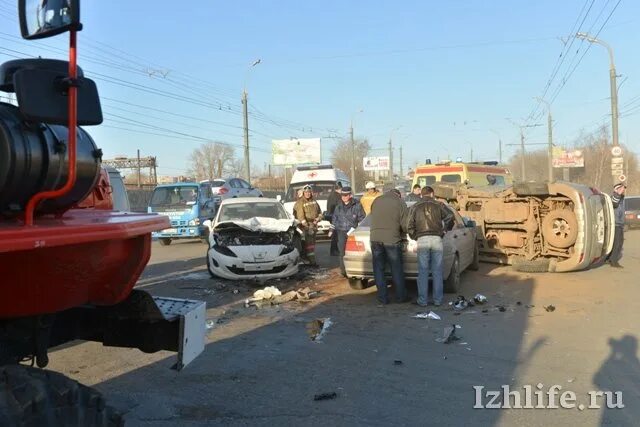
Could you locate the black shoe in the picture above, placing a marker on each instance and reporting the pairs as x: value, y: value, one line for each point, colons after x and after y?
x: 616, y: 265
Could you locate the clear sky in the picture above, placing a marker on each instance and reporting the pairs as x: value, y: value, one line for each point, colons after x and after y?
x: 449, y: 72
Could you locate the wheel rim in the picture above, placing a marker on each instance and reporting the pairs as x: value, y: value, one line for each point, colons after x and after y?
x: 561, y: 228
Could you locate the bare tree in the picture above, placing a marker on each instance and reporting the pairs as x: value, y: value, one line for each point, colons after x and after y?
x: 341, y: 158
x: 211, y: 160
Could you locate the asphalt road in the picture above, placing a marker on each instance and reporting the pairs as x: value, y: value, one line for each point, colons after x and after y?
x: 261, y: 368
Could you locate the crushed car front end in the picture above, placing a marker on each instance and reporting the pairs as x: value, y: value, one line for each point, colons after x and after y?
x: 254, y: 249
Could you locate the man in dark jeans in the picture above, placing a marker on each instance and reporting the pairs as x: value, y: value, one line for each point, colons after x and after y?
x: 388, y: 230
x: 332, y: 202
x: 348, y: 214
x: 618, y: 204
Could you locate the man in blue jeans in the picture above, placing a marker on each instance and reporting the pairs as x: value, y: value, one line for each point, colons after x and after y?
x: 427, y: 223
x: 388, y: 215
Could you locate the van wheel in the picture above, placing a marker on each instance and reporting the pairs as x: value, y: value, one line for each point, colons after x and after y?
x: 164, y: 241
x: 358, y: 284
x: 560, y: 228
x: 452, y: 283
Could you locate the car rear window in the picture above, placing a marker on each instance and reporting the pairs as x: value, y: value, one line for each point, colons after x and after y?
x: 217, y: 183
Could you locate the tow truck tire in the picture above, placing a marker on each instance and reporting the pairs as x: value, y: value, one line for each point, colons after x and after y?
x: 164, y: 241
x: 452, y: 282
x: 531, y: 266
x: 560, y: 228
x: 37, y: 397
x: 358, y: 284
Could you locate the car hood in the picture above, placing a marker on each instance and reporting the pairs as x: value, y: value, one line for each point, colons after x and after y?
x: 265, y: 225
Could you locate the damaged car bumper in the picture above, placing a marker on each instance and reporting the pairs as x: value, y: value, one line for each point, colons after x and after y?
x: 234, y: 268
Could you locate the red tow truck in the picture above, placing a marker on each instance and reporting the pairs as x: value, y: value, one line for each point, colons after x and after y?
x: 68, y: 261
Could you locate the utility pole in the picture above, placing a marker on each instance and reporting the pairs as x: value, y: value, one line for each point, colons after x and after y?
x: 353, y: 158
x: 391, y: 161
x: 138, y: 169
x: 612, y: 83
x: 245, y: 116
x: 471, y: 154
x: 245, y: 121
x: 522, y: 165
x: 550, y: 138
x: 499, y: 145
x: 401, y: 165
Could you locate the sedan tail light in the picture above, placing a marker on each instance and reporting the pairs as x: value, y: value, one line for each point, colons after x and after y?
x: 353, y: 245
x: 223, y: 190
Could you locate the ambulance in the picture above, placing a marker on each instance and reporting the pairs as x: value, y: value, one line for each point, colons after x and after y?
x: 322, y: 178
x: 474, y: 174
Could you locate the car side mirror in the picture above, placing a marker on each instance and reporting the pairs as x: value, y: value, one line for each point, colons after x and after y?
x: 40, y: 19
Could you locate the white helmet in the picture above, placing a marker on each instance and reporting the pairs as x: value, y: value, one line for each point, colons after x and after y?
x: 370, y: 185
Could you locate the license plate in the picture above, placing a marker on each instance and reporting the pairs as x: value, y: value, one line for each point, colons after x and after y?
x: 252, y: 267
x: 170, y: 231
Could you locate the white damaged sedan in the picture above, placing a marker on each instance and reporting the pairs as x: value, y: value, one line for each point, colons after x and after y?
x: 253, y: 238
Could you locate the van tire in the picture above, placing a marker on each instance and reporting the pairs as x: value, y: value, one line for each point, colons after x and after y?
x: 560, y: 228
x: 164, y: 241
x: 531, y: 266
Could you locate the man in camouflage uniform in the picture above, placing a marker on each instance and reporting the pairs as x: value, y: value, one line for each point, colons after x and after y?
x: 308, y: 212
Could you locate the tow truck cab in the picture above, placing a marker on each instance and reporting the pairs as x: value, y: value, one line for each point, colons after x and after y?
x: 188, y: 205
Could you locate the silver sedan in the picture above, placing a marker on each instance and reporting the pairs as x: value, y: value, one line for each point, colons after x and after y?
x: 461, y: 251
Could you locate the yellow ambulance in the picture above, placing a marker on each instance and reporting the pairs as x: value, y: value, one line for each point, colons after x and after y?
x: 473, y: 174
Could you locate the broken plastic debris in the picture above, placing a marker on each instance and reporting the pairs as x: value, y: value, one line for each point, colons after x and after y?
x: 397, y: 362
x: 272, y: 296
x: 235, y: 291
x: 550, y: 308
x: 458, y: 326
x: 429, y: 315
x: 448, y: 335
x: 325, y: 396
x: 317, y: 328
x: 210, y: 324
x: 501, y: 308
x: 460, y: 303
x: 480, y: 299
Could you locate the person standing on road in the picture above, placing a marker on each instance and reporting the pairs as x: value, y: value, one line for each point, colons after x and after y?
x: 415, y: 195
x: 332, y: 202
x: 427, y: 223
x: 618, y: 204
x: 346, y: 217
x: 308, y: 212
x: 388, y: 229
x: 367, y: 198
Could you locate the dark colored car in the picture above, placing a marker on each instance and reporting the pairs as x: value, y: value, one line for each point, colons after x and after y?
x: 631, y: 212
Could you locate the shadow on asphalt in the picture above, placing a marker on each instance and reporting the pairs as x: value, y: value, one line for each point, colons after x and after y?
x: 264, y: 374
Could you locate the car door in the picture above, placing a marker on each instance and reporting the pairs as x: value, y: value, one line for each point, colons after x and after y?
x: 245, y: 188
x: 236, y: 188
x: 464, y: 239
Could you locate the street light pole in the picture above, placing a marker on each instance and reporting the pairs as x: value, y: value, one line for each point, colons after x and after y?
x: 522, y: 150
x: 245, y: 122
x: 353, y: 152
x: 550, y: 137
x: 612, y: 83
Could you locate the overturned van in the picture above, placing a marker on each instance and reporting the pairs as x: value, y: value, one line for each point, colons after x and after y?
x: 537, y: 226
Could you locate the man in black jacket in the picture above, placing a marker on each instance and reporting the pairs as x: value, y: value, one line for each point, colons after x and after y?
x: 332, y: 202
x: 428, y: 221
x: 388, y: 215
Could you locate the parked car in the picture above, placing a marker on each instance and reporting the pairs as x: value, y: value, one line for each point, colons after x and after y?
x: 253, y: 237
x: 537, y: 226
x: 460, y: 253
x: 229, y: 188
x: 631, y: 212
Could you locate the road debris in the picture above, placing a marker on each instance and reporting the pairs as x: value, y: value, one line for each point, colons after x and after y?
x: 519, y: 303
x: 397, y: 362
x: 325, y: 396
x: 550, y: 308
x: 211, y: 324
x: 317, y: 328
x: 501, y: 308
x: 480, y: 299
x: 461, y: 303
x: 429, y: 315
x: 272, y: 296
x: 448, y: 335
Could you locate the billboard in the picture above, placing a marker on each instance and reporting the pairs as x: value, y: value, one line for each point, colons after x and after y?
x: 376, y: 163
x: 567, y: 158
x: 295, y: 151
